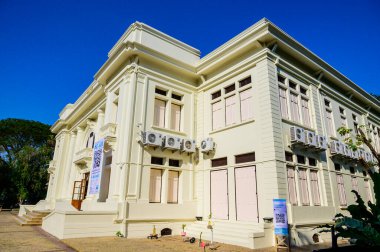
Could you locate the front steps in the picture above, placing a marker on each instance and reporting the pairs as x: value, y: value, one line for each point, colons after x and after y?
x: 32, y: 218
x: 245, y: 234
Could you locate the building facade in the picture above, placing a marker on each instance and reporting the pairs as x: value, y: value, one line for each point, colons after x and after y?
x: 186, y: 138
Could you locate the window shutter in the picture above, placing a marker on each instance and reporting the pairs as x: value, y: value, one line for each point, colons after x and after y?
x: 246, y: 104
x: 368, y: 190
x: 292, y: 187
x: 217, y: 115
x: 230, y: 110
x: 283, y: 103
x: 341, y: 191
x: 155, y: 186
x: 354, y: 182
x: 303, y: 187
x: 176, y: 117
x: 305, y: 112
x: 159, y: 113
x: 315, y: 188
x: 329, y: 123
x: 173, y: 187
x: 294, y: 107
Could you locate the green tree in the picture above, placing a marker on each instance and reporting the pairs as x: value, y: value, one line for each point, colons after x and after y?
x: 25, y: 150
x: 362, y: 224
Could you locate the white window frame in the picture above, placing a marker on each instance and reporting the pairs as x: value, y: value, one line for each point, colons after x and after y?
x: 169, y: 101
x: 224, y: 96
x: 295, y: 114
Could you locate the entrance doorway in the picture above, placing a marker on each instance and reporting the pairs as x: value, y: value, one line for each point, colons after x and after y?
x: 219, y: 194
x: 80, y: 191
x: 246, y: 194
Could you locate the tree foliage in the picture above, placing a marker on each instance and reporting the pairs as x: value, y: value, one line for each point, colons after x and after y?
x: 363, y: 224
x: 25, y: 150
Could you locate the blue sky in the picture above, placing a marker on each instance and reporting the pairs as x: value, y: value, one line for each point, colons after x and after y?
x: 50, y: 50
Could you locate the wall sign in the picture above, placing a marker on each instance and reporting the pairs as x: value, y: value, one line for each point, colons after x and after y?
x: 280, y: 217
x: 97, y: 167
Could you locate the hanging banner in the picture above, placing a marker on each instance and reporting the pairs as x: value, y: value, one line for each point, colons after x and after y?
x: 280, y: 217
x: 97, y: 165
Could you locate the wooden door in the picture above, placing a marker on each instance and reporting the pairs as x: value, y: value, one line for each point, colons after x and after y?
x: 79, y: 191
x: 219, y: 194
x: 246, y: 196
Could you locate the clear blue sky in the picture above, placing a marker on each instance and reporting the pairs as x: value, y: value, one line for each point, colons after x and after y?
x: 50, y: 50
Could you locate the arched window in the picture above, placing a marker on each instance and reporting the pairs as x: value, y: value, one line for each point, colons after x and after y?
x: 90, y: 140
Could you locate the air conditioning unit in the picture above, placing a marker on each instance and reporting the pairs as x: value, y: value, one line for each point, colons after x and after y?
x: 321, y: 142
x: 336, y: 148
x: 207, y: 145
x: 368, y: 157
x: 297, y: 135
x: 173, y: 143
x: 346, y: 151
x: 361, y: 153
x: 311, y: 139
x: 188, y: 145
x: 355, y: 155
x: 151, y: 138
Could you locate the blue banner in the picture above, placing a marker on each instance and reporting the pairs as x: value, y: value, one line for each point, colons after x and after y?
x: 97, y: 167
x: 280, y: 217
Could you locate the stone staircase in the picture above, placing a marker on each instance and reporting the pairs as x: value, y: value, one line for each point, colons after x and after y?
x: 231, y: 232
x: 32, y: 218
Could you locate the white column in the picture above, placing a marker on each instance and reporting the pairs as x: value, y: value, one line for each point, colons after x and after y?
x: 77, y: 147
x: 100, y: 121
x: 69, y: 166
x: 109, y: 108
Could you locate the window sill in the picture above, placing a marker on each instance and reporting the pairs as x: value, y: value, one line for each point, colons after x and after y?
x: 169, y: 130
x: 298, y: 124
x: 232, y: 126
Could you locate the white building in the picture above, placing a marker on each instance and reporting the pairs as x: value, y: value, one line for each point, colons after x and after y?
x: 224, y: 134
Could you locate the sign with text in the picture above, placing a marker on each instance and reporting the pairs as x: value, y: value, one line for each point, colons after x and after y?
x: 97, y: 167
x: 280, y: 217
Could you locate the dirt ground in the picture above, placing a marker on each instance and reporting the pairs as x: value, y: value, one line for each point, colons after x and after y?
x: 14, y: 237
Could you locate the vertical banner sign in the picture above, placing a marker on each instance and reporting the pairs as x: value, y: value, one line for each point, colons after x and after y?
x: 280, y: 217
x: 97, y: 165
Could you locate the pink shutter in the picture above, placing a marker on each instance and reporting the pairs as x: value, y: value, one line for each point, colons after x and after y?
x: 283, y: 103
x: 315, y: 188
x: 173, y: 187
x: 246, y: 104
x: 217, y: 115
x: 155, y: 185
x: 354, y: 182
x: 294, y: 107
x: 230, y: 110
x: 305, y: 112
x: 292, y: 186
x: 330, y: 129
x: 159, y: 113
x: 341, y: 190
x: 368, y: 190
x: 304, y: 188
x: 175, y: 117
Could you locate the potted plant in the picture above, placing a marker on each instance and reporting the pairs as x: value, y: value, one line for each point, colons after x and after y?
x: 183, y: 233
